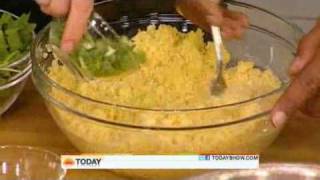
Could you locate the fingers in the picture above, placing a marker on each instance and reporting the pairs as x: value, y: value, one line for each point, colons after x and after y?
x: 303, y: 92
x: 306, y: 51
x: 232, y: 28
x: 214, y: 19
x: 76, y: 25
x: 206, y: 13
x: 302, y: 89
x: 203, y: 13
x: 43, y: 2
x: 242, y: 19
x: 79, y: 12
x: 56, y: 8
x: 234, y: 24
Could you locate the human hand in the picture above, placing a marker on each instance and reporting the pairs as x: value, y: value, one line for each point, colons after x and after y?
x: 78, y: 12
x: 209, y: 12
x: 304, y: 92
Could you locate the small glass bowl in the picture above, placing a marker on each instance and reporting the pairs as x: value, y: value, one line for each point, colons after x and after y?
x: 272, y: 171
x: 29, y: 163
x: 10, y: 90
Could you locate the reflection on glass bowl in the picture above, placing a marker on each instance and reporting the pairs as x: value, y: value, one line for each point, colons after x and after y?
x: 272, y: 171
x: 29, y: 163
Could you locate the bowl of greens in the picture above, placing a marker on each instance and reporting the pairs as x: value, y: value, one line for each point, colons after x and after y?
x: 16, y: 35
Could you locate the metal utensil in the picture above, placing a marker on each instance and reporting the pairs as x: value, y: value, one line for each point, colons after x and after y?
x: 218, y: 85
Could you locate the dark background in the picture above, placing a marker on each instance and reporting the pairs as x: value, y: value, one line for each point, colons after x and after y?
x: 24, y: 6
x: 112, y: 11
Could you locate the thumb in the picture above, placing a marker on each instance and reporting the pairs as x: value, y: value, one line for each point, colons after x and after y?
x: 306, y: 51
x: 303, y: 88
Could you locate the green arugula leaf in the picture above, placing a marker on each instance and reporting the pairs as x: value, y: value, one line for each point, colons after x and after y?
x: 101, y: 57
x: 3, y: 45
x: 15, y: 39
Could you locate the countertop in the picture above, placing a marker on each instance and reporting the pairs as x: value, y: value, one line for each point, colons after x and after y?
x: 29, y: 123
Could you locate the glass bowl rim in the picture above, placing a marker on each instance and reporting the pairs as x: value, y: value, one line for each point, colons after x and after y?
x: 21, y: 77
x: 65, y: 90
x: 36, y: 150
x: 25, y: 71
x: 43, y: 75
x: 264, y: 169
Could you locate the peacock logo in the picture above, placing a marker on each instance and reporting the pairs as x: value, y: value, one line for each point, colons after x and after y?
x: 68, y: 162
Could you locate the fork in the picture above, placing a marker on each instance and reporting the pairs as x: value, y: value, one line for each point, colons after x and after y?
x: 218, y: 85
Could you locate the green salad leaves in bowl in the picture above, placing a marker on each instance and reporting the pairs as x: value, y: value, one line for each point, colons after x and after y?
x: 100, y: 55
x: 16, y: 35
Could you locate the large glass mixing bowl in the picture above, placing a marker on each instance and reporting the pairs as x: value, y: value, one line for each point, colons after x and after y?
x: 239, y: 128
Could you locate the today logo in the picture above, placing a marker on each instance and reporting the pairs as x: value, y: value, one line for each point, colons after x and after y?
x: 68, y: 162
x: 88, y: 162
x: 72, y: 162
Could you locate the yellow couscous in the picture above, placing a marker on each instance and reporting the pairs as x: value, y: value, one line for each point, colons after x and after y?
x: 177, y: 73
